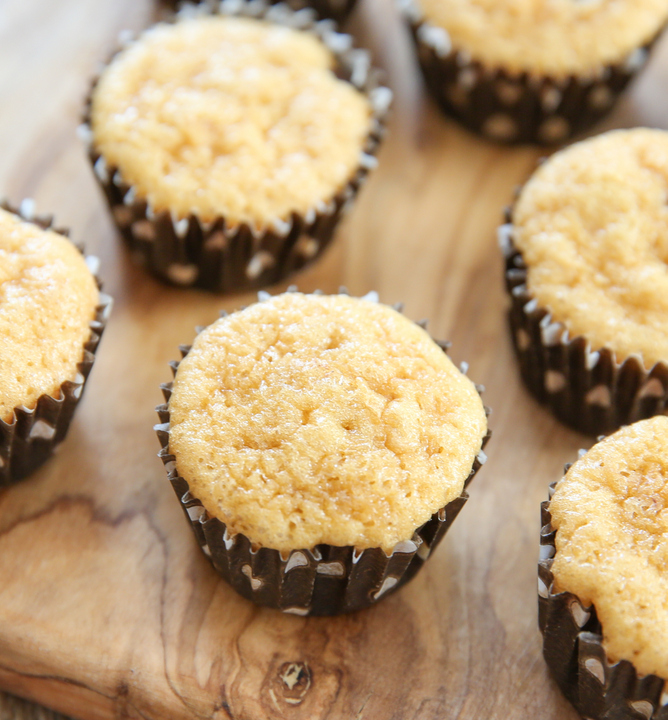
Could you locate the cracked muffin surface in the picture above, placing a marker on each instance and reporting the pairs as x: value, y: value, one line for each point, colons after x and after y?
x: 236, y: 117
x: 548, y: 37
x: 47, y: 301
x: 308, y: 419
x: 611, y: 515
x: 592, y: 227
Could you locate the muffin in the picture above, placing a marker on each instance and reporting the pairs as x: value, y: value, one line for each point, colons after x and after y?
x: 229, y: 147
x: 534, y: 71
x: 602, y: 577
x: 51, y: 320
x: 338, y: 10
x: 320, y: 446
x: 586, y: 247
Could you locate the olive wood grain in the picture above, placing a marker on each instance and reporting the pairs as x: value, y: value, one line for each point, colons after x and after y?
x: 107, y: 607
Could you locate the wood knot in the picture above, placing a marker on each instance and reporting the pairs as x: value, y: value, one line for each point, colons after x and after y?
x: 293, y: 682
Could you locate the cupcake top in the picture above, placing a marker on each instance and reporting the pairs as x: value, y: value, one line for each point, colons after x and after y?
x: 311, y: 419
x: 592, y: 227
x: 220, y: 116
x: 548, y: 37
x: 47, y: 301
x: 611, y: 516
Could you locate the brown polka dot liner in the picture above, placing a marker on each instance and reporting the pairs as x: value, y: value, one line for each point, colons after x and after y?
x: 32, y: 435
x: 337, y: 10
x: 221, y: 257
x: 510, y: 108
x: 574, y: 652
x: 324, y: 580
x: 587, y: 389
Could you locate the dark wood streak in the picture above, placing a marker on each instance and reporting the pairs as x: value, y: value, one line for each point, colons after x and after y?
x: 67, y: 502
x: 122, y: 690
x: 121, y: 697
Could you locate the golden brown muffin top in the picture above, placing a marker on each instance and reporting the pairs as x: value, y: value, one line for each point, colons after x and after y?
x: 556, y: 38
x: 312, y: 419
x: 611, y: 516
x: 232, y: 117
x: 592, y: 226
x: 47, y: 301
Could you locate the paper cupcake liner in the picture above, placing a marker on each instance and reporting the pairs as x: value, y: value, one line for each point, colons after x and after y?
x: 589, y: 390
x: 574, y: 652
x: 337, y: 10
x: 512, y: 108
x: 223, y: 257
x: 324, y: 580
x: 33, y: 433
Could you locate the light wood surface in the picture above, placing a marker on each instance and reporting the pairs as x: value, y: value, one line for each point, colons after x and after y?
x: 107, y: 607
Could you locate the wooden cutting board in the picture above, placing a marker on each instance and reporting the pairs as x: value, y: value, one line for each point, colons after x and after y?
x: 107, y: 607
